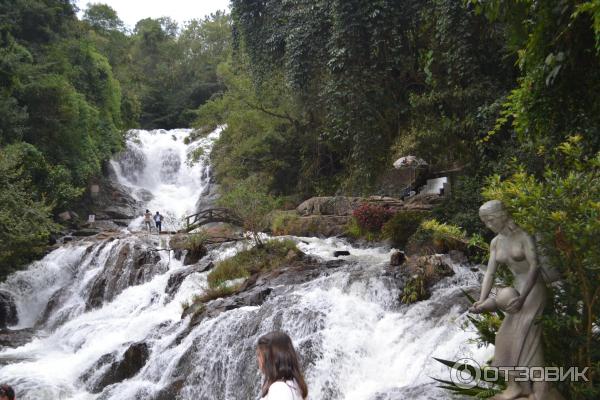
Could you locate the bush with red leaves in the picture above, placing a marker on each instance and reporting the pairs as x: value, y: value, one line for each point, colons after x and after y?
x: 371, y: 218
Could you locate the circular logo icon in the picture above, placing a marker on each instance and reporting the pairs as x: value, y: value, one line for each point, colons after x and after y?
x: 465, y: 373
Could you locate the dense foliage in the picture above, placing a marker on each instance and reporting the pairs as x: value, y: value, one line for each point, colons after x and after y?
x: 69, y: 89
x: 371, y: 217
x: 323, y: 95
x: 337, y: 89
x: 319, y: 97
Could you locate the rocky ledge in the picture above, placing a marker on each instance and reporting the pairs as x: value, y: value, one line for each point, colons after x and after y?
x: 330, y: 216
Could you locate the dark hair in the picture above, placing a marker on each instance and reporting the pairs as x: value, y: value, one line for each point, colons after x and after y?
x: 280, y: 361
x: 7, y: 391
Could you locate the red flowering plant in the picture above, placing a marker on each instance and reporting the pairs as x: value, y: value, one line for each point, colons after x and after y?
x: 370, y: 217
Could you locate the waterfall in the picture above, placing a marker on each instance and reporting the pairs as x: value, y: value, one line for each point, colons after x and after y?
x: 157, y: 166
x: 94, y: 303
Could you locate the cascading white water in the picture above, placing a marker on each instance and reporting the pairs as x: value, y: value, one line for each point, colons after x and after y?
x: 91, y: 300
x: 156, y: 166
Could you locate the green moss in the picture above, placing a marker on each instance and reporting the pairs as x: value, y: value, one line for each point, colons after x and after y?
x: 271, y: 256
x: 216, y: 293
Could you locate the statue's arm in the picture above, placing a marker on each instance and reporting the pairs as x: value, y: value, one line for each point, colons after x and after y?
x: 490, y: 273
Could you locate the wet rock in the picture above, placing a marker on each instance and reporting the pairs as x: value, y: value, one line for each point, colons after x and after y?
x: 86, y: 232
x: 171, y: 391
x: 131, y: 264
x: 397, y: 258
x: 121, y: 222
x: 208, y: 197
x: 106, y: 225
x: 8, y: 310
x: 110, y: 369
x: 112, y: 200
x: 258, y: 287
x: 339, y: 253
x: 144, y: 195
x: 120, y: 212
x: 194, y: 255
x: 177, y: 278
x: 52, y: 305
x: 15, y: 338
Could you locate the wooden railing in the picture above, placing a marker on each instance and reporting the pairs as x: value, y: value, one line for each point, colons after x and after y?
x: 209, y: 216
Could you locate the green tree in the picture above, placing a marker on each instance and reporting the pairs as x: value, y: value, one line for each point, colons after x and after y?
x: 250, y: 201
x: 103, y: 17
x: 25, y: 222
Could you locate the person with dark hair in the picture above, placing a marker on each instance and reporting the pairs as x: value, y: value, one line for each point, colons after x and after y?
x: 158, y: 221
x: 278, y: 362
x: 6, y: 393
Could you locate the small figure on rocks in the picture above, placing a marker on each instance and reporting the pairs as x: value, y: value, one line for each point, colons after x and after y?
x: 278, y: 362
x: 7, y: 393
x: 158, y: 221
x: 148, y: 220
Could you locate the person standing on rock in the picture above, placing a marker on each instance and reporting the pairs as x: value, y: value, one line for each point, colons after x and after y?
x: 148, y: 220
x: 7, y: 393
x: 158, y: 221
x: 278, y: 362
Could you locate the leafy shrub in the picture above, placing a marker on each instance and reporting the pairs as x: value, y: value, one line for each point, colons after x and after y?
x: 282, y: 222
x: 402, y: 226
x: 195, y: 241
x: 251, y: 202
x: 414, y: 289
x: 25, y: 216
x: 370, y: 217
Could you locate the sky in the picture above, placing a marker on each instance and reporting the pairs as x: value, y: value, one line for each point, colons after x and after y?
x: 131, y: 11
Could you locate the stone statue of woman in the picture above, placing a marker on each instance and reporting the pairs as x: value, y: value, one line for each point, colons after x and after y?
x: 519, y: 339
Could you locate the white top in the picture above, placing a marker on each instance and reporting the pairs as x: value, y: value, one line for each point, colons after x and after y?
x: 283, y: 391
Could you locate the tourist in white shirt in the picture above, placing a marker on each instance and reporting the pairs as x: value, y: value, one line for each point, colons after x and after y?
x: 279, y: 365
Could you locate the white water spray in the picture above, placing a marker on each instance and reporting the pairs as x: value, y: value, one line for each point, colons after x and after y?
x: 157, y: 167
x: 92, y: 300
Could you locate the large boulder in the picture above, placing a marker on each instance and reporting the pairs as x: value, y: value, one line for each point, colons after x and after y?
x: 109, y: 200
x: 114, y: 368
x: 8, y: 310
x: 345, y: 206
x: 177, y: 278
x: 337, y: 205
x: 133, y: 263
x: 11, y: 338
